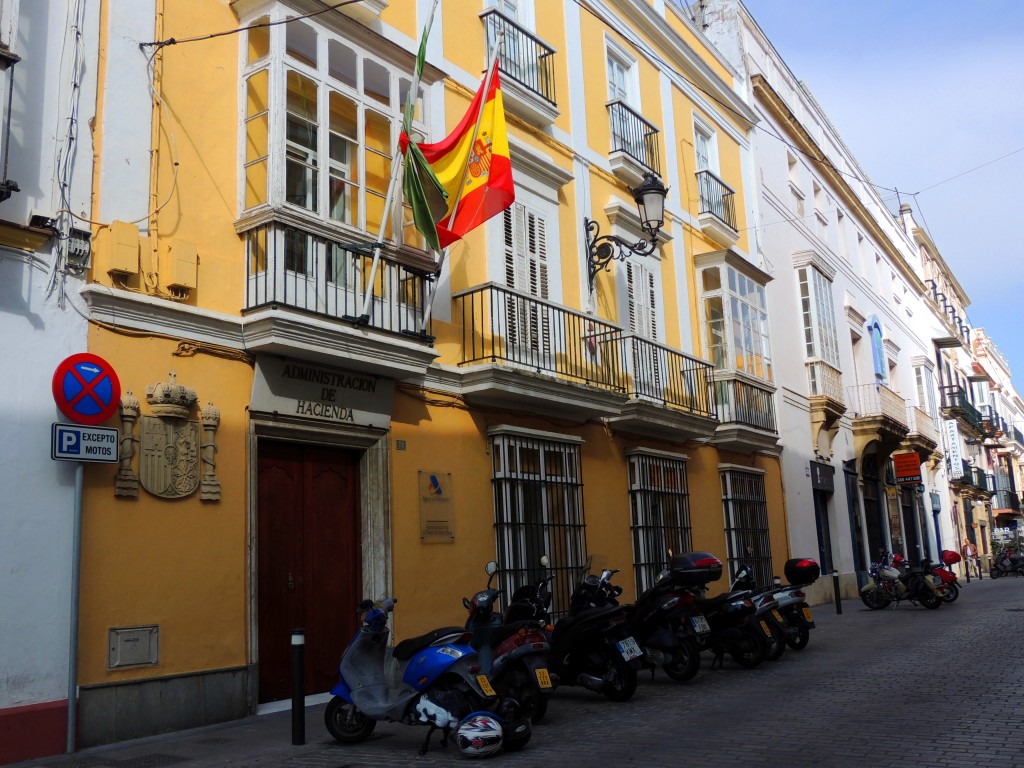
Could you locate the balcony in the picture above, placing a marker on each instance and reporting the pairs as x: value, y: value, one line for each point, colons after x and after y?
x: 960, y: 332
x: 879, y: 416
x: 527, y: 69
x: 634, y: 144
x: 827, y: 404
x: 669, y: 393
x: 529, y: 354
x: 305, y: 296
x: 1006, y: 502
x: 746, y: 409
x: 923, y: 436
x: 992, y: 424
x: 956, y: 405
x: 717, y: 209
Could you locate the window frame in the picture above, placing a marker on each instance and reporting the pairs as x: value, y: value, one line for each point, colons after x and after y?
x: 821, y: 329
x: 740, y: 507
x: 277, y: 63
x: 651, y: 536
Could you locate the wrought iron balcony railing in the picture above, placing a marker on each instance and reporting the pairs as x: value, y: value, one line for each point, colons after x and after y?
x: 825, y: 381
x: 716, y: 198
x: 948, y: 310
x: 954, y: 399
x: 1017, y: 436
x: 869, y: 400
x: 662, y: 373
x: 500, y: 325
x: 922, y: 424
x: 633, y: 135
x: 744, y: 402
x: 523, y: 57
x: 1006, y: 499
x: 293, y: 268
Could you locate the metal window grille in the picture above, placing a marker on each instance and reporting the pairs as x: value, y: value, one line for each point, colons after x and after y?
x: 659, y: 502
x: 538, y: 510
x: 746, y: 523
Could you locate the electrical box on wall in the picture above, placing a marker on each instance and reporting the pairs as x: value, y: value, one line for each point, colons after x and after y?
x: 181, y: 265
x: 133, y: 646
x: 116, y: 249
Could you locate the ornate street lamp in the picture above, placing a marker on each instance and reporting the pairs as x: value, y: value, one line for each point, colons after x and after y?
x: 601, y: 249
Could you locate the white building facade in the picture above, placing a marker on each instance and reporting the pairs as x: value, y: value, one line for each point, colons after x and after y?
x: 47, y: 96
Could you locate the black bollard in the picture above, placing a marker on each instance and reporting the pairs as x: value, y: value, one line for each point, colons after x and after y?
x: 298, y: 695
x: 967, y: 568
x: 835, y: 590
x: 979, y: 567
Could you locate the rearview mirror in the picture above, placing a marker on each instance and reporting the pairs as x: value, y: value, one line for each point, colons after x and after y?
x: 545, y: 560
x: 491, y: 568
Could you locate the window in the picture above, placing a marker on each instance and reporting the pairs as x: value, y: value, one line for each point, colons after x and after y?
x: 735, y: 321
x: 796, y: 193
x: 647, y: 363
x: 704, y: 148
x: 746, y: 523
x: 330, y: 156
x: 821, y: 337
x: 538, y: 510
x: 626, y: 125
x: 924, y: 382
x: 659, y: 503
x: 526, y: 271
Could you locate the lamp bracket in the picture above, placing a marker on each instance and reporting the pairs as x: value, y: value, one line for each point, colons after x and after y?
x: 602, y: 249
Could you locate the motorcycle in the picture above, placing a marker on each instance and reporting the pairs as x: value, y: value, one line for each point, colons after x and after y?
x: 890, y: 585
x: 513, y: 652
x: 590, y: 646
x: 796, y: 617
x: 730, y: 616
x: 947, y: 576
x: 433, y: 680
x: 658, y: 621
x: 1007, y: 562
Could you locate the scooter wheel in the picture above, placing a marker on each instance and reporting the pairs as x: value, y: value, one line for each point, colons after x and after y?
x: 346, y: 723
x: 803, y: 635
x: 685, y: 663
x: 620, y: 685
x: 751, y: 648
x: 995, y: 573
x: 874, y: 599
x: 777, y: 644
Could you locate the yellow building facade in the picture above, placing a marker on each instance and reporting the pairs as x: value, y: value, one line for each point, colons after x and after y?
x: 306, y: 425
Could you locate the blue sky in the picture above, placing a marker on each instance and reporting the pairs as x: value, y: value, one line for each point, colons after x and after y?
x: 922, y: 91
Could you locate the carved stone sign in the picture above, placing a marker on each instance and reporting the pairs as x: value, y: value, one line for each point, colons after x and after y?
x: 312, y: 391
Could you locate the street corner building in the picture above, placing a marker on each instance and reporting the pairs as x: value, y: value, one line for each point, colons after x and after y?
x: 349, y: 371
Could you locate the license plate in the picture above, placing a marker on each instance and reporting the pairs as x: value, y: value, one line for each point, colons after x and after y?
x: 766, y: 629
x: 485, y: 685
x: 629, y: 649
x: 543, y: 678
x: 777, y: 615
x: 808, y: 615
x: 700, y: 625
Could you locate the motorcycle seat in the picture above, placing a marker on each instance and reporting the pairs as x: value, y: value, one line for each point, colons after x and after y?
x: 705, y: 604
x: 407, y: 648
x: 566, y: 623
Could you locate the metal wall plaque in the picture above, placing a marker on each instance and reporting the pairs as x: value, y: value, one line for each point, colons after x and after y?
x: 133, y: 646
x: 437, y: 512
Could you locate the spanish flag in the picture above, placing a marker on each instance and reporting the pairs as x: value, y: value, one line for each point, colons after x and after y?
x: 468, y: 173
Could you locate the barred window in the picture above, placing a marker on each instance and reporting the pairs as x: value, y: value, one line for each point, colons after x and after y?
x: 746, y: 523
x: 659, y: 503
x: 538, y: 510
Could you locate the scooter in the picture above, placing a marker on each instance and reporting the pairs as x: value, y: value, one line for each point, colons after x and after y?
x: 590, y: 646
x: 891, y: 585
x: 1006, y: 563
x: 730, y: 616
x: 513, y: 653
x: 792, y: 600
x: 766, y: 611
x: 658, y: 621
x: 433, y: 680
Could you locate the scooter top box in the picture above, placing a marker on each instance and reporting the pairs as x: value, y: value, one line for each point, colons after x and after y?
x: 949, y: 557
x: 695, y: 569
x: 801, y: 570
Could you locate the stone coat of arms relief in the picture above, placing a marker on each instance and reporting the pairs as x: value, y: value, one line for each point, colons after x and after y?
x: 176, y: 453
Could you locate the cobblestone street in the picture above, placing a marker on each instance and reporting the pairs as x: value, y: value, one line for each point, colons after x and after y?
x: 905, y: 687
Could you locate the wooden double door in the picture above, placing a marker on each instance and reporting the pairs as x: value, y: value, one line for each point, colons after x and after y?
x: 309, y: 563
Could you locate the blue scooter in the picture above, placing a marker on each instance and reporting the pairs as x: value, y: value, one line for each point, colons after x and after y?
x: 431, y: 680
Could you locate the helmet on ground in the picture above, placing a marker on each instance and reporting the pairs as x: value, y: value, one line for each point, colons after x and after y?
x: 479, y: 735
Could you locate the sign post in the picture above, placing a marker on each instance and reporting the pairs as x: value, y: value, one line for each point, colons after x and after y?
x: 86, y: 390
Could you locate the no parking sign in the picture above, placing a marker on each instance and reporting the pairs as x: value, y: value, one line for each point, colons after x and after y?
x: 86, y: 389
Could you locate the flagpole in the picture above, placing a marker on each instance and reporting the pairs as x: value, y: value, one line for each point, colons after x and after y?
x: 399, y: 163
x: 491, y: 69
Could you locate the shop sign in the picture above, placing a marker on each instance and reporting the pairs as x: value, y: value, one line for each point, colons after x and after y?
x: 312, y: 391
x: 908, y: 468
x: 956, y: 458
